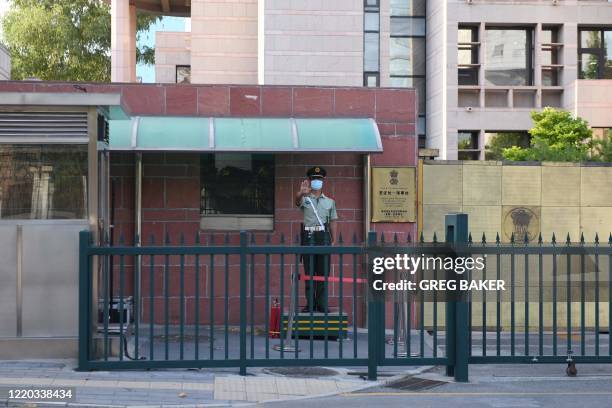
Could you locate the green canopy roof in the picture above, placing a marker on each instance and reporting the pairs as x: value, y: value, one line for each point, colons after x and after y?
x: 166, y: 133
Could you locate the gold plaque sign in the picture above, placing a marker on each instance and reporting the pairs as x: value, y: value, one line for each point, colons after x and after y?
x: 393, y: 194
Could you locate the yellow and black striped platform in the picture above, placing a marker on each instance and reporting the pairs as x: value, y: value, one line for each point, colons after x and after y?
x: 337, y: 325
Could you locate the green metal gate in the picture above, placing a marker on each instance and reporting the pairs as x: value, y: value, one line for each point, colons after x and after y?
x: 210, y: 304
x: 177, y: 291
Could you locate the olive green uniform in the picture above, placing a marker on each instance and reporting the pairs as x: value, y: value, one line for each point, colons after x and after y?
x: 317, y: 265
x: 326, y: 207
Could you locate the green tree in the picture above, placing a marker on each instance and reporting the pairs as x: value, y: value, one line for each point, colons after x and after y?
x: 503, y: 140
x: 556, y: 136
x: 64, y: 40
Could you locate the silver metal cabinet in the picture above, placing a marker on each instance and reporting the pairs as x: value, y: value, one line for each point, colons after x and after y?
x: 39, y: 278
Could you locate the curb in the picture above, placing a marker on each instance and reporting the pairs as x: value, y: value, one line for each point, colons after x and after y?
x: 365, y: 385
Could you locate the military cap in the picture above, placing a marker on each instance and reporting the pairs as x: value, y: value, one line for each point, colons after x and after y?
x: 316, y: 171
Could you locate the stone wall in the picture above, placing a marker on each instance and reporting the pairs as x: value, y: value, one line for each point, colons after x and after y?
x: 503, y: 198
x: 535, y: 198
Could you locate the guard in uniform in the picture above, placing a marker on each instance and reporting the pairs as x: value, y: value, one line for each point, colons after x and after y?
x: 319, y: 228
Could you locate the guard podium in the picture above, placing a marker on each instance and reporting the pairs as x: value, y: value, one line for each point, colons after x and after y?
x: 306, y: 325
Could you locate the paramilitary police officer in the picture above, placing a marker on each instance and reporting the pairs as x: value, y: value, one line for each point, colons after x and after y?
x: 319, y: 228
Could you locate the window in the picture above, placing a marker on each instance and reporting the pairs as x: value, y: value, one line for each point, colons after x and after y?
x: 408, y: 26
x: 407, y: 7
x: 183, y: 74
x: 405, y: 57
x: 467, y: 145
x: 550, y: 56
x: 595, y: 53
x: 371, y: 79
x: 43, y: 181
x: 370, y: 52
x: 371, y: 43
x: 496, y: 142
x: 237, y: 184
x: 508, y: 56
x: 467, y: 55
x: 407, y: 51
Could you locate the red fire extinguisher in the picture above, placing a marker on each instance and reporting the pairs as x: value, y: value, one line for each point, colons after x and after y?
x: 274, y: 327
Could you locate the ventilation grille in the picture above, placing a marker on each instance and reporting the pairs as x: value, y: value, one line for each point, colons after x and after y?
x: 43, y: 126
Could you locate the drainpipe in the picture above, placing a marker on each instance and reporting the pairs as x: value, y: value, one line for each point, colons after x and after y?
x: 367, y: 199
x: 367, y: 210
x: 137, y: 224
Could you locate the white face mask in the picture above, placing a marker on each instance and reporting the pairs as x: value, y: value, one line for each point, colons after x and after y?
x: 316, y: 184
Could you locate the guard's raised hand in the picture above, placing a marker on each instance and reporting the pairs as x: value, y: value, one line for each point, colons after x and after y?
x: 305, y: 187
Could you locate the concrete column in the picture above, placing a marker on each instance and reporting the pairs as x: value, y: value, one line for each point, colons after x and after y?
x: 261, y: 42
x: 569, y: 59
x: 481, y: 60
x: 132, y: 49
x: 122, y: 51
x: 537, y: 55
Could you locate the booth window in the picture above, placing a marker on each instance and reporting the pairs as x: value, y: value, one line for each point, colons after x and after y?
x: 43, y: 181
x: 234, y: 187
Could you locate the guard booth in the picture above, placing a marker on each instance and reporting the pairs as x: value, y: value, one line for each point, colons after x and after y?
x: 129, y: 162
x: 52, y: 185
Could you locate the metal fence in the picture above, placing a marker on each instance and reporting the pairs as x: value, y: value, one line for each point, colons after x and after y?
x: 557, y: 307
x: 235, y: 303
x: 210, y: 305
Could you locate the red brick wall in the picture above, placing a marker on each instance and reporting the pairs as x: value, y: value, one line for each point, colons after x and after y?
x: 171, y: 186
x: 392, y: 109
x: 171, y: 181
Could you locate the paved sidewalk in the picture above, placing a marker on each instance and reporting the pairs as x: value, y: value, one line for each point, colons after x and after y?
x: 219, y: 387
x: 490, y: 386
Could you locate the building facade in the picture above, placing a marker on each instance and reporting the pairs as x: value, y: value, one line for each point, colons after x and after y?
x: 274, y: 42
x: 490, y: 63
x: 479, y: 66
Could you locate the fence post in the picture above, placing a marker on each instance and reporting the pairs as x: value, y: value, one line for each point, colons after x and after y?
x: 84, y: 300
x: 243, y: 302
x: 457, y: 327
x: 373, y: 318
